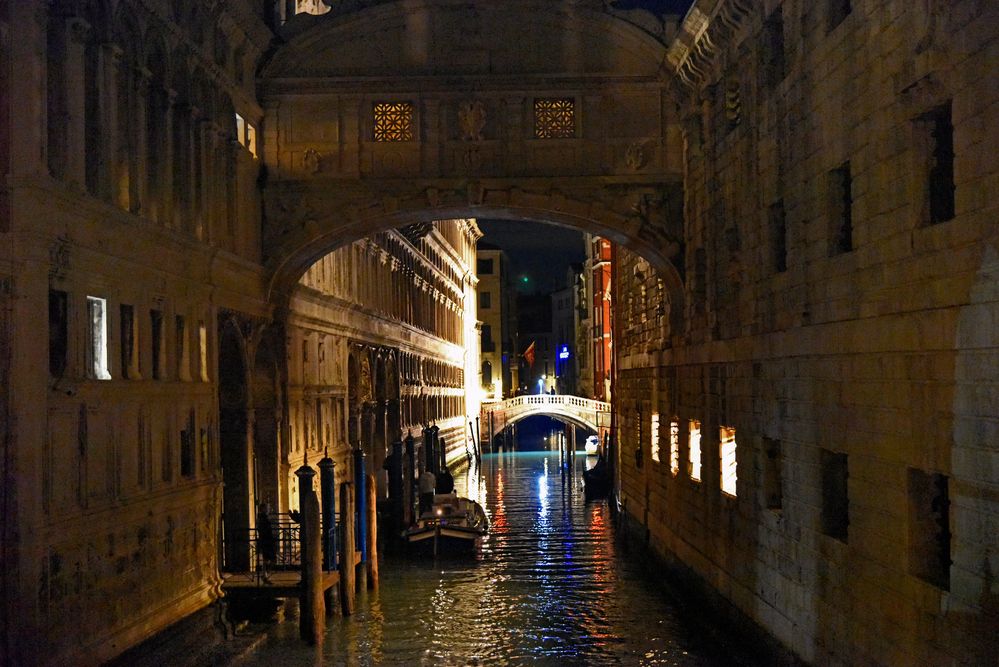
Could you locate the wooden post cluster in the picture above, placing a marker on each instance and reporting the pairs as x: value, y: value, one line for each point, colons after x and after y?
x: 347, y: 590
x: 372, y: 534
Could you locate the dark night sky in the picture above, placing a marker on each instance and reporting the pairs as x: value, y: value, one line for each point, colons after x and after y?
x: 660, y: 7
x: 541, y: 252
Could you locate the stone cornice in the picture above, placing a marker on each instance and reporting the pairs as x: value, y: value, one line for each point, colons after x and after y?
x: 482, y: 84
x: 706, y: 31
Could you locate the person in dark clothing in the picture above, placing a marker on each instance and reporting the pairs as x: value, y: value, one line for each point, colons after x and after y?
x: 266, y: 544
x: 445, y: 482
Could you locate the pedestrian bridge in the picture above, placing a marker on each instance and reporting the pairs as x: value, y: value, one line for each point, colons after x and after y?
x: 586, y: 412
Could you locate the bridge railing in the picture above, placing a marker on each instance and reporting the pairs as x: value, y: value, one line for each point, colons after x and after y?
x: 563, y: 401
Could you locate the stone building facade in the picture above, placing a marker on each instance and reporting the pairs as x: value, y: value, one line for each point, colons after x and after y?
x: 801, y: 200
x: 808, y: 427
x: 143, y: 362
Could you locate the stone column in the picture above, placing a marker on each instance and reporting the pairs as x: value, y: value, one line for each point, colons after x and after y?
x: 165, y: 200
x: 350, y: 135
x: 77, y: 33
x: 108, y: 68
x: 513, y: 116
x: 138, y: 184
x: 432, y: 130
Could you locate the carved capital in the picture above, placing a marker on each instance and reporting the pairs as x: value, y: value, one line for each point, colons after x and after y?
x: 77, y: 29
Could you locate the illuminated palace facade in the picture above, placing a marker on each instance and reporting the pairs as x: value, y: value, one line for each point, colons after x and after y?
x: 237, y: 235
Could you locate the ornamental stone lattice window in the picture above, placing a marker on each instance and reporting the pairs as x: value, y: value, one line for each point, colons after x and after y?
x: 554, y: 118
x: 393, y: 121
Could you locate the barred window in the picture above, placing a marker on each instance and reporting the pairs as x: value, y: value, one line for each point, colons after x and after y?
x: 554, y: 118
x: 394, y: 121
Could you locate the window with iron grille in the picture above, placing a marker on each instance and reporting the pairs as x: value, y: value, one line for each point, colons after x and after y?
x: 393, y: 121
x: 554, y: 118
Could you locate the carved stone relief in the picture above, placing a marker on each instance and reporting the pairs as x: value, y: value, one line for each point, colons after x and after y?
x: 472, y: 120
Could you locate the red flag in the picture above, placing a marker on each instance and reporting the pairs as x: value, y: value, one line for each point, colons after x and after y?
x: 529, y: 355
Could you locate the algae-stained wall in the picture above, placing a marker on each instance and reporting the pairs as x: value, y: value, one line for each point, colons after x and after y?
x: 847, y: 333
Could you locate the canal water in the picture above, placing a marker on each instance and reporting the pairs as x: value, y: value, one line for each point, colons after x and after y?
x: 551, y: 586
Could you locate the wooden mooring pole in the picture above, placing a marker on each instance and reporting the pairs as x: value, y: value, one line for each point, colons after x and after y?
x: 347, y: 590
x: 312, y: 609
x: 372, y: 536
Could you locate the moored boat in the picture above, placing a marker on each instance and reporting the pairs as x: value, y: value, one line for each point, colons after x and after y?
x: 453, y: 525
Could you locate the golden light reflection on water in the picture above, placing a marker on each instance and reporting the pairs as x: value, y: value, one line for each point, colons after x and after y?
x: 549, y: 588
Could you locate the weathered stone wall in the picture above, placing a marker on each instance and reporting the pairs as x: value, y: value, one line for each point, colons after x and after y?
x: 121, y: 181
x: 377, y: 345
x: 883, y: 349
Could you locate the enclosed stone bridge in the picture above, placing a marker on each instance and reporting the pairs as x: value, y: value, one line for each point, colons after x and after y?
x: 391, y: 114
x: 585, y: 412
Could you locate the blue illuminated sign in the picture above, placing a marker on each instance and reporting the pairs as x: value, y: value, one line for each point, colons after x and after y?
x: 564, y: 352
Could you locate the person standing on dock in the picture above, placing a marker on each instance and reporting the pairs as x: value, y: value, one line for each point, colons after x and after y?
x: 266, y: 545
x: 428, y: 482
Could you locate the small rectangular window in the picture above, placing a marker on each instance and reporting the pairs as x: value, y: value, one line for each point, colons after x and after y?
x: 939, y: 128
x: 694, y: 450
x: 773, y: 486
x: 835, y: 498
x: 554, y: 118
x: 674, y: 447
x: 654, y: 434
x: 484, y: 267
x: 159, y: 347
x: 183, y: 350
x: 97, y: 342
x: 836, y: 12
x: 840, y: 210
x: 929, y: 527
x: 485, y: 300
x: 187, y: 447
x: 129, y: 343
x: 729, y: 462
x: 202, y: 351
x: 166, y: 469
x: 58, y: 332
x: 394, y: 121
x: 778, y: 236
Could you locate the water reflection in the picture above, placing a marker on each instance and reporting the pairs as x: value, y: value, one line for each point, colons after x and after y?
x: 548, y: 588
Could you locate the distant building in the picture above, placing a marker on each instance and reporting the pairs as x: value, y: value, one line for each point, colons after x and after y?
x: 599, y: 253
x: 565, y: 320
x: 497, y: 314
x: 538, y: 362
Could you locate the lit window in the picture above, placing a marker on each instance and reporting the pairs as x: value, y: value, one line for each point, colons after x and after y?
x: 246, y: 135
x: 655, y: 437
x: 554, y: 118
x: 97, y: 350
x: 251, y: 139
x: 203, y: 351
x: 694, y: 442
x: 674, y: 447
x: 394, y: 121
x: 726, y: 437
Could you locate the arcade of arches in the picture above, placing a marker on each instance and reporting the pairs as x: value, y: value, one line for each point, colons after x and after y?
x: 240, y: 238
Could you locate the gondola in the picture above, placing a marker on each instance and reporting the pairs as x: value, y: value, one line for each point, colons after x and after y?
x: 452, y: 526
x: 597, y: 480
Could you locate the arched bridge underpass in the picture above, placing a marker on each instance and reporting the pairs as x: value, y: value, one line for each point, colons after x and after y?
x: 586, y: 412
